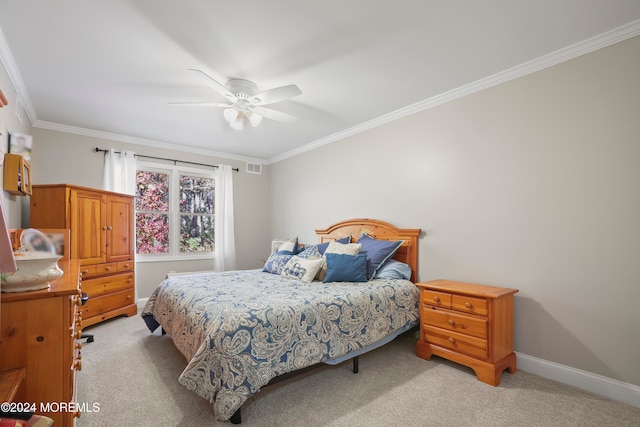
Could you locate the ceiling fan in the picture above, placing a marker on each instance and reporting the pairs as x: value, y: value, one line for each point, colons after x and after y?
x: 244, y: 102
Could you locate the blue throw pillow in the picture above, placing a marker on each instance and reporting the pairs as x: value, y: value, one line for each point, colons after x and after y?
x: 393, y: 269
x: 378, y: 252
x: 323, y: 246
x: 346, y: 268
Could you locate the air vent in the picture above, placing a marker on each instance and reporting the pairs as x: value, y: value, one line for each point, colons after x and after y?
x: 254, y: 168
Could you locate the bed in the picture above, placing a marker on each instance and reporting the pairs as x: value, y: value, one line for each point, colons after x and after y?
x: 241, y: 330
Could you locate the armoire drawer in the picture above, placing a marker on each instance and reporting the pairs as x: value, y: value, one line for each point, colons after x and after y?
x: 107, y: 284
x: 125, y: 266
x: 102, y: 304
x: 106, y: 268
x: 87, y: 271
x: 93, y: 270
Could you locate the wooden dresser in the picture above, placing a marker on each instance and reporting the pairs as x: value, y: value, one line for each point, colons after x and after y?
x: 469, y: 324
x: 39, y: 334
x: 102, y: 238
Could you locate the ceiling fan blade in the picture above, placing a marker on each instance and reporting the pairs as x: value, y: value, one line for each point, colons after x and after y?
x: 202, y: 104
x: 278, y: 94
x: 212, y: 83
x: 278, y: 116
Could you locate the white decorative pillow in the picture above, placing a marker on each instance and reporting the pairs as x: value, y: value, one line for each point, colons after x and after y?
x: 343, y: 248
x: 290, y: 247
x: 304, y: 269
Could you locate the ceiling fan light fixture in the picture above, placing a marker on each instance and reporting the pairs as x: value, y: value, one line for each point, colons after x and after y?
x: 255, y: 119
x: 231, y: 114
x: 238, y: 123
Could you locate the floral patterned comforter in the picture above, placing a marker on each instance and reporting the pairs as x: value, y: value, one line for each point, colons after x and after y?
x: 240, y: 329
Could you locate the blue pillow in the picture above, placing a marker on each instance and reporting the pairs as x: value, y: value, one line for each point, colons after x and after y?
x: 393, y: 269
x: 276, y: 262
x: 378, y: 252
x: 323, y: 246
x: 309, y: 252
x: 346, y: 268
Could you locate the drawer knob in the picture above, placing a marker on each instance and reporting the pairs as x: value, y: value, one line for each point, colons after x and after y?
x: 451, y: 322
x: 468, y: 305
x: 451, y: 340
x: 436, y: 299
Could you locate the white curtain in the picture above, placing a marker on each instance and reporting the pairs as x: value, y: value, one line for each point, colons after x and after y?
x: 119, y: 172
x: 225, y: 244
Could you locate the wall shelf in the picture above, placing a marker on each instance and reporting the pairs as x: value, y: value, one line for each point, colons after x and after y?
x: 17, y: 175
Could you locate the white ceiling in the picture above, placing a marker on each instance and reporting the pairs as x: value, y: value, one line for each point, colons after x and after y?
x: 110, y: 68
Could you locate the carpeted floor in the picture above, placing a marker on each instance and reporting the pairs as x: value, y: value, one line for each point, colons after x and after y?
x: 129, y: 377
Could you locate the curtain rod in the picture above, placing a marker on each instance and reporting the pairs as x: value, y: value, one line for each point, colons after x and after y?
x: 105, y: 151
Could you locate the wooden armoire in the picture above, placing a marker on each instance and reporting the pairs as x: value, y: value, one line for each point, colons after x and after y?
x: 102, y: 239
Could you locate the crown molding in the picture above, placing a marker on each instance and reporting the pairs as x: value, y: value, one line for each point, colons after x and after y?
x: 565, y: 54
x: 141, y: 141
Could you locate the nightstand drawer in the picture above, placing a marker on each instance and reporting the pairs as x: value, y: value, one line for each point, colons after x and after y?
x: 438, y: 299
x: 472, y: 346
x: 469, y: 304
x: 451, y: 321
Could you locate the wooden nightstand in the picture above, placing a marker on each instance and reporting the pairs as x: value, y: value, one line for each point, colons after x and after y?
x: 469, y: 324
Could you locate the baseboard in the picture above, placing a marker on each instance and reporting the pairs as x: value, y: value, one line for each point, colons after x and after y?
x: 594, y: 383
x: 141, y: 302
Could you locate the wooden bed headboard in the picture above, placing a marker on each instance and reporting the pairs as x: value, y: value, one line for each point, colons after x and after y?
x: 407, y: 253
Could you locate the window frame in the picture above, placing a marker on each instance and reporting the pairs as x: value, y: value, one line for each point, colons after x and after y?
x: 174, y: 171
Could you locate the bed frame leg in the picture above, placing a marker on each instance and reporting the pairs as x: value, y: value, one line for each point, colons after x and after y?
x: 236, y: 418
x: 355, y: 365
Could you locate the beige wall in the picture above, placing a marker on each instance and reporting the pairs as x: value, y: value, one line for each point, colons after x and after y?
x: 532, y: 184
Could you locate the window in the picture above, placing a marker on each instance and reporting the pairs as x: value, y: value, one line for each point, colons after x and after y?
x: 174, y: 212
